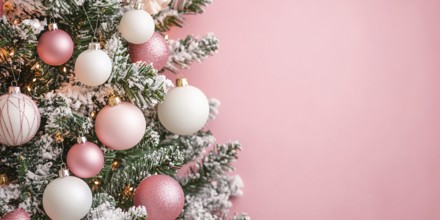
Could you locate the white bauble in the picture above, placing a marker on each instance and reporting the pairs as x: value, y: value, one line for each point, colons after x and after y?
x: 93, y: 66
x: 19, y: 118
x: 184, y: 111
x: 137, y: 26
x: 67, y: 198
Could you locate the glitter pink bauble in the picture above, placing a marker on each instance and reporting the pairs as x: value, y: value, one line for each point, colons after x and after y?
x: 85, y: 160
x: 18, y: 214
x: 55, y: 47
x: 161, y: 195
x: 154, y: 51
x: 120, y: 127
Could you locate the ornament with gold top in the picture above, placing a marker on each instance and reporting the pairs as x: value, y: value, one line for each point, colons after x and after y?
x: 185, y: 109
x: 120, y: 125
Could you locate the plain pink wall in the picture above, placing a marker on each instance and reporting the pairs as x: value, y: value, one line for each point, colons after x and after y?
x: 336, y: 102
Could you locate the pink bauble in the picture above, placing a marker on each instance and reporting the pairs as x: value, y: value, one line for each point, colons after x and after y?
x: 19, y: 118
x: 161, y: 195
x: 85, y: 159
x: 18, y: 214
x: 55, y: 46
x: 154, y: 51
x: 121, y: 126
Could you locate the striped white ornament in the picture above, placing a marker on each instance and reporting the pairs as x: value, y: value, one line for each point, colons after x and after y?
x: 19, y: 118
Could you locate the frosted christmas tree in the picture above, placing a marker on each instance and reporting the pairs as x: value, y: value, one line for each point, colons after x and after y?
x: 91, y: 129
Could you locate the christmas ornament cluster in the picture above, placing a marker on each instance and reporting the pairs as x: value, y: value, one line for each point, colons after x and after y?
x: 120, y: 125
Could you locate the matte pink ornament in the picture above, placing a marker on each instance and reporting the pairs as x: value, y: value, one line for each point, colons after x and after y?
x: 161, y: 195
x: 154, y: 51
x: 121, y: 126
x: 55, y: 46
x: 85, y: 159
x: 17, y: 214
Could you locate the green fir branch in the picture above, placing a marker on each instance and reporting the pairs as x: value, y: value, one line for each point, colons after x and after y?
x: 216, y: 163
x: 191, y: 49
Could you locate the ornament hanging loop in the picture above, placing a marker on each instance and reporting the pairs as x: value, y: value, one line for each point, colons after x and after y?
x: 14, y: 83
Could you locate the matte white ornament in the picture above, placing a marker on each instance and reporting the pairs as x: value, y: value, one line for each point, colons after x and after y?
x: 93, y: 66
x: 19, y: 118
x: 67, y: 198
x: 185, y: 109
x: 137, y: 26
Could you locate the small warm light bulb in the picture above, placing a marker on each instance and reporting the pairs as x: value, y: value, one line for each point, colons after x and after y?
x: 29, y: 88
x: 37, y: 66
x: 11, y: 53
x: 64, y: 69
x: 34, y: 80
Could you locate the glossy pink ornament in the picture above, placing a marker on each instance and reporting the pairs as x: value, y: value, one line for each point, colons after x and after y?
x: 120, y: 125
x: 154, y: 51
x: 55, y: 46
x: 85, y: 159
x: 161, y: 195
x: 17, y: 214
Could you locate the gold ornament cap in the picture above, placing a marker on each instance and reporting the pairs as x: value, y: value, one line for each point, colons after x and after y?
x: 52, y: 26
x: 4, y: 180
x: 114, y: 100
x: 81, y: 140
x: 181, y: 82
x: 63, y: 172
x: 14, y: 90
x: 94, y: 46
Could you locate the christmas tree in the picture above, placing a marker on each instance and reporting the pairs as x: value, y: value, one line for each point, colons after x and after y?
x: 90, y: 128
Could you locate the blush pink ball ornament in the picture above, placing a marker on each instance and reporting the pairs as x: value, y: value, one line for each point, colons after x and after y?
x: 120, y: 125
x: 55, y: 46
x: 154, y: 51
x: 18, y: 214
x: 85, y: 159
x: 161, y: 195
x: 19, y: 118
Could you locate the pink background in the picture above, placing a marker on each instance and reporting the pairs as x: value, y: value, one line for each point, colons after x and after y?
x: 337, y: 104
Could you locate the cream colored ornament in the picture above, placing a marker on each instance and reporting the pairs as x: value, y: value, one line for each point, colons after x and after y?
x: 136, y: 25
x: 185, y: 109
x: 155, y: 6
